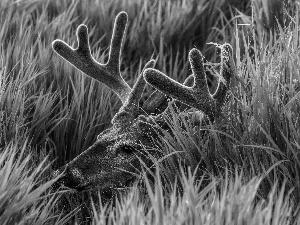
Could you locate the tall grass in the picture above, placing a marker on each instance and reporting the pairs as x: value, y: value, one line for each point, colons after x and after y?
x: 25, y: 196
x: 222, y: 201
x: 244, y: 170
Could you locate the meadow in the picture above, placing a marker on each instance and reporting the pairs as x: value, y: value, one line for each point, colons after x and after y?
x: 243, y: 171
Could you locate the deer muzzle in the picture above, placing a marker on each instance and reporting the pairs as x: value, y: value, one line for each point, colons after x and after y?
x: 70, y: 178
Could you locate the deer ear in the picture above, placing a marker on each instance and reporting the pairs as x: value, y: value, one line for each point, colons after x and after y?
x: 189, y: 82
x: 156, y: 103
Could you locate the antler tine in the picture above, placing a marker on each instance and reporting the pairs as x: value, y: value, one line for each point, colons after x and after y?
x: 116, y: 42
x: 197, y: 96
x: 227, y: 70
x: 82, y: 59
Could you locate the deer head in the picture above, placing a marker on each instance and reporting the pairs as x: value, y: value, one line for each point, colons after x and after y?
x: 114, y: 158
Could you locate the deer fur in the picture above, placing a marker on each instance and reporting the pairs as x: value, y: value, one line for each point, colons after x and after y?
x: 114, y: 159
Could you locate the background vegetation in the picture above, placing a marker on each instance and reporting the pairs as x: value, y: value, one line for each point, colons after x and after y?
x: 243, y: 171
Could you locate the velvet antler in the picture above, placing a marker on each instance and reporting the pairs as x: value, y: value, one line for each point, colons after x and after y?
x: 82, y: 59
x: 197, y: 96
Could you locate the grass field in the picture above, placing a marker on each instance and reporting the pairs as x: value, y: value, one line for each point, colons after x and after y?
x: 244, y: 171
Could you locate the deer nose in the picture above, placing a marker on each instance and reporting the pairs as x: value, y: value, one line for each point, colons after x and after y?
x: 70, y: 177
x: 60, y: 181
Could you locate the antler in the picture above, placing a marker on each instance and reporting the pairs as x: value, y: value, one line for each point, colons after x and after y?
x: 197, y: 96
x: 82, y: 59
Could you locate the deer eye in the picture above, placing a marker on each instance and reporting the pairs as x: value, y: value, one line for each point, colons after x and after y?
x: 126, y: 149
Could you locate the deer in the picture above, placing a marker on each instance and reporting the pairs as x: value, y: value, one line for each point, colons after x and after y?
x: 112, y: 161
